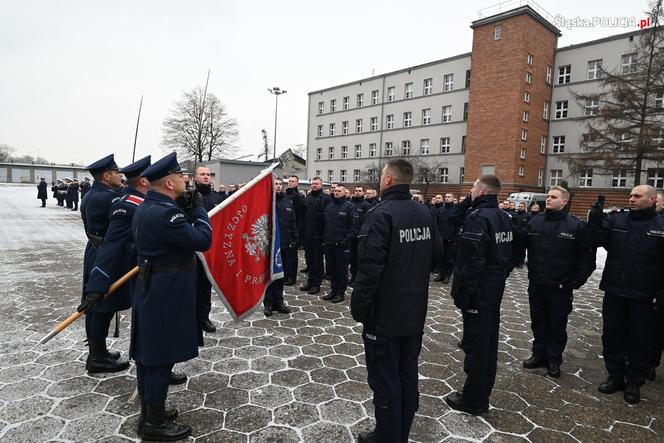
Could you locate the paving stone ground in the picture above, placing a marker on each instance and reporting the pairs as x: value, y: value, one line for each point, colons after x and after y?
x: 287, y: 378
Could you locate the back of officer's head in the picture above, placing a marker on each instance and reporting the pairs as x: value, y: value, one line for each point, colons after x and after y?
x: 490, y: 183
x: 396, y: 172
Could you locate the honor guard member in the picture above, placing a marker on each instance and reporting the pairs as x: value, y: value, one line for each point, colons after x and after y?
x: 362, y: 206
x: 203, y: 285
x: 164, y: 326
x: 483, y: 264
x: 397, y: 250
x: 631, y: 280
x: 72, y: 194
x: 67, y: 193
x: 274, y: 294
x: 61, y: 192
x: 314, y: 224
x: 560, y: 260
x: 447, y: 227
x: 84, y: 187
x: 42, y: 191
x: 341, y: 226
x: 296, y: 201
x: 95, y: 212
x: 658, y: 322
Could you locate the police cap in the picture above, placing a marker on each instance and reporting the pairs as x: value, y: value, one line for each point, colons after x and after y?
x: 163, y: 167
x: 105, y: 164
x: 135, y: 169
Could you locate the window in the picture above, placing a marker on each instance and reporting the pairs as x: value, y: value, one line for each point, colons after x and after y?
x: 497, y: 32
x: 358, y: 151
x: 342, y: 176
x: 592, y: 107
x: 522, y: 170
x: 321, y: 107
x: 357, y: 175
x: 545, y: 111
x: 448, y: 82
x: 344, y: 152
x: 656, y: 178
x: 320, y: 130
x: 374, y: 97
x: 549, y: 74
x: 330, y: 175
x: 407, y: 119
x: 529, y: 59
x: 526, y: 97
x: 426, y: 116
x: 319, y: 173
x: 540, y: 177
x: 389, y: 149
x: 447, y: 114
x: 330, y: 153
x: 488, y: 170
x: 333, y: 105
x: 344, y: 127
x: 444, y: 145
x: 373, y: 174
x: 346, y: 103
x: 408, y: 91
x: 428, y: 86
x: 556, y: 177
x: 659, y: 100
x: 524, y: 134
x: 561, y: 109
x: 586, y: 179
x: 463, y: 144
x: 358, y: 125
x: 319, y: 154
x: 424, y: 146
x: 589, y: 138
x: 619, y: 179
x: 467, y: 78
x: 465, y: 111
x: 372, y: 149
x: 526, y: 116
x: 594, y: 69
x: 529, y: 78
x: 373, y: 125
x: 628, y: 64
x: 564, y: 74
x: 405, y: 147
x: 522, y: 154
x: 390, y: 121
x: 360, y: 100
x: 558, y: 146
x: 462, y: 171
x: 391, y: 94
x: 443, y: 175
x: 332, y: 128
x: 543, y: 144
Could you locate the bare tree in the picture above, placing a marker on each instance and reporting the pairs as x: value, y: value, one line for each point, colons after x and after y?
x: 300, y: 150
x: 6, y: 152
x: 371, y: 174
x: 625, y: 133
x: 426, y: 172
x: 200, y: 128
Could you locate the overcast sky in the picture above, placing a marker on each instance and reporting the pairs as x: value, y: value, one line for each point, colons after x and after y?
x: 72, y: 71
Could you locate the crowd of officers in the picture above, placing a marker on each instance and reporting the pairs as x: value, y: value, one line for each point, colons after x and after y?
x: 391, y: 247
x: 66, y: 192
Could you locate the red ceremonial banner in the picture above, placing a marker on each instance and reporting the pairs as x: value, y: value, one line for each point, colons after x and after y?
x: 239, y: 262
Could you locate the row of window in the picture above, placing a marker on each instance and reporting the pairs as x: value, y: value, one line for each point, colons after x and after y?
x: 407, y: 122
x: 628, y: 65
x: 618, y: 179
x: 391, y: 150
x: 442, y: 175
x: 408, y: 92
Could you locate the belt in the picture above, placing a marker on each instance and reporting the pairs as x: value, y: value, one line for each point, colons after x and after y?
x: 147, y: 269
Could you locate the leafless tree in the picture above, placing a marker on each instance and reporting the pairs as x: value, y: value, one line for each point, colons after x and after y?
x: 6, y: 152
x: 427, y: 171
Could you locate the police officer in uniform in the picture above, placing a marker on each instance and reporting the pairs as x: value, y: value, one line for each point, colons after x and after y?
x: 447, y: 228
x: 483, y: 264
x: 559, y: 261
x: 42, y: 191
x: 398, y: 245
x: 296, y: 201
x: 203, y: 285
x: 631, y: 280
x: 72, y: 194
x: 314, y: 223
x: 341, y: 226
x: 164, y: 325
x: 658, y: 322
x: 95, y: 212
x: 85, y: 187
x: 274, y: 293
x: 362, y: 206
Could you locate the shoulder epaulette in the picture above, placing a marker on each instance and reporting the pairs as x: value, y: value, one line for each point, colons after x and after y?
x: 134, y: 199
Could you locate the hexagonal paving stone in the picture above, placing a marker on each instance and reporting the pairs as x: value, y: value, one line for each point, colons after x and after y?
x: 274, y: 434
x: 284, y: 351
x: 249, y: 380
x: 65, y: 370
x: 208, y: 382
x: 290, y: 378
x: 247, y: 418
x: 224, y: 436
x: 20, y: 372
x: 267, y: 341
x: 296, y: 414
x: 22, y: 389
x: 203, y: 420
x: 26, y: 409
x: 328, y: 376
x: 314, y: 393
x: 116, y: 385
x: 231, y: 366
x: 342, y: 411
x: 120, y: 405
x: 227, y: 398
x: 354, y: 390
x: 465, y: 425
x: 185, y: 400
x: 268, y: 364
x: 427, y: 429
x: 508, y: 421
x: 81, y: 405
x: 216, y: 353
x: 99, y: 425
x: 270, y: 396
x: 305, y: 362
x: 323, y: 432
x: 317, y: 350
x: 41, y: 429
x: 250, y: 352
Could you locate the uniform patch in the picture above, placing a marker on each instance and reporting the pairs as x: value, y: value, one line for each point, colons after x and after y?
x: 119, y: 211
x: 177, y: 217
x: 135, y: 199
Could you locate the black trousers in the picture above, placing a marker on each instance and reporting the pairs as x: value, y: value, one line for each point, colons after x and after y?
x: 393, y: 377
x: 313, y: 254
x: 274, y: 293
x: 626, y: 337
x: 74, y: 204
x: 337, y: 265
x: 203, y: 293
x: 353, y: 257
x: 152, y: 383
x: 449, y: 255
x: 43, y: 200
x: 480, y: 344
x: 549, y: 310
x: 289, y: 261
x: 657, y: 336
x: 97, y: 324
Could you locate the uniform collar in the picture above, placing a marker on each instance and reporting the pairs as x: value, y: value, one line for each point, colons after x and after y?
x: 485, y: 201
x: 642, y: 214
x: 397, y: 192
x: 133, y: 191
x: 154, y: 195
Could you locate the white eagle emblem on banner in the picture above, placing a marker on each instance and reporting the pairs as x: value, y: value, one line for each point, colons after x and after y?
x: 258, y: 245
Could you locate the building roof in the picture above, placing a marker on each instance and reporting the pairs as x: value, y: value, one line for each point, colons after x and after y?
x: 604, y: 39
x: 527, y: 9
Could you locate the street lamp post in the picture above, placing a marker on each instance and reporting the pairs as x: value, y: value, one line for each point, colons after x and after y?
x: 277, y: 92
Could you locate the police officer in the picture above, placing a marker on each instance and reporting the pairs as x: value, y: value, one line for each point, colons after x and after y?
x: 632, y: 278
x: 274, y: 294
x: 398, y: 245
x: 362, y: 206
x: 164, y: 325
x: 84, y: 187
x: 341, y: 226
x: 314, y: 223
x: 61, y: 192
x: 203, y: 285
x: 72, y: 194
x: 559, y: 261
x: 445, y: 212
x: 296, y: 201
x: 67, y: 193
x: 95, y: 212
x: 42, y: 191
x: 483, y: 264
x: 371, y: 197
x: 658, y: 308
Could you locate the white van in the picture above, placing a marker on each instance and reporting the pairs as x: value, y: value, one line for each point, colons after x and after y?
x: 529, y: 198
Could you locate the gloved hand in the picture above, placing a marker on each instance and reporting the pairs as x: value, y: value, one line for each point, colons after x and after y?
x: 596, y: 214
x: 91, y: 298
x: 196, y: 199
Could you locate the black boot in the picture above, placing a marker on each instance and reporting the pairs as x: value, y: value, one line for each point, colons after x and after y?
x: 367, y: 437
x: 632, y: 393
x: 282, y: 308
x: 612, y: 385
x: 267, y: 310
x: 99, y: 361
x: 171, y: 414
x: 110, y: 354
x: 651, y: 374
x: 157, y: 427
x: 535, y: 362
x: 176, y: 378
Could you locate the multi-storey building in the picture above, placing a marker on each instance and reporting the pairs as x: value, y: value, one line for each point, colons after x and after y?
x: 507, y: 107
